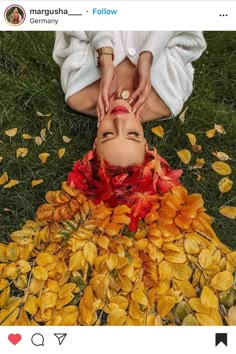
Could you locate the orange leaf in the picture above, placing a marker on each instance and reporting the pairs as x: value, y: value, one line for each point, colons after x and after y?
x: 184, y: 155
x: 192, y: 138
x: 61, y: 152
x: 159, y: 131
x: 43, y: 157
x: 4, y: 178
x: 11, y: 183
x: 35, y: 182
x: 210, y: 133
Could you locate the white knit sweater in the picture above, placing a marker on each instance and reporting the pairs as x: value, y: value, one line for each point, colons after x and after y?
x: 171, y: 72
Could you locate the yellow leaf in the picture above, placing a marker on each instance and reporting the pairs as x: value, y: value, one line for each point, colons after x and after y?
x: 4, y: 178
x: 192, y: 138
x: 182, y: 115
x: 38, y: 140
x: 43, y: 157
x: 225, y: 184
x: 205, y: 258
x: 232, y: 316
x: 205, y: 320
x: 31, y: 305
x: 184, y: 155
x: 165, y: 305
x: 11, y: 132
x: 222, y: 156
x: 222, y: 281
x: 66, y: 139
x: 44, y: 258
x: 90, y: 252
x: 21, y: 152
x: 76, y: 261
x: 40, y: 273
x: 112, y: 260
x: 26, y: 136
x: 208, y: 298
x: 228, y: 211
x: 159, y: 131
x: 220, y: 129
x: 139, y: 297
x: 35, y: 182
x: 100, y: 284
x: 117, y: 317
x: 210, y: 133
x: 11, y: 183
x: 221, y: 167
x: 61, y: 152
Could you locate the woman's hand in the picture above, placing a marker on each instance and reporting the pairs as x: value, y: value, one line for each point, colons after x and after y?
x: 142, y: 82
x: 108, y: 85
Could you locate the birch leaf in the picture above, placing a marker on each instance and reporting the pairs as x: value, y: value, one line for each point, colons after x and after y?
x: 222, y: 281
x: 38, y: 140
x: 222, y: 156
x: 159, y: 131
x: 11, y: 183
x: 39, y: 114
x: 43, y: 157
x: 35, y: 182
x: 66, y: 139
x: 49, y: 126
x: 4, y: 178
x: 228, y: 212
x: 11, y: 132
x: 184, y: 155
x: 220, y: 129
x: 182, y: 115
x: 192, y: 138
x: 21, y: 152
x: 225, y: 184
x: 210, y: 133
x: 61, y: 152
x: 43, y: 134
x: 222, y: 168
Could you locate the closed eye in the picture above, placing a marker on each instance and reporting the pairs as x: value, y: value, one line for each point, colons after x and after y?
x: 105, y: 134
x: 134, y: 133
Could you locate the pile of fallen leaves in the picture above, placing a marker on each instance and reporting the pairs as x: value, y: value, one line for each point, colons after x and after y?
x: 78, y: 264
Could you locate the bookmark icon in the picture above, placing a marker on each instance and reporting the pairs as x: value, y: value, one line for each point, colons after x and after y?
x: 60, y: 337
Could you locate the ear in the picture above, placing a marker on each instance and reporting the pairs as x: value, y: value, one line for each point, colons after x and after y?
x: 95, y: 144
x: 146, y: 145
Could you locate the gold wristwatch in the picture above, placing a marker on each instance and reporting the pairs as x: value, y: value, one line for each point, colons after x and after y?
x: 104, y: 50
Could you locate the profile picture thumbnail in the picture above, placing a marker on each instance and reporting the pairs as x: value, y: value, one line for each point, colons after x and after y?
x: 15, y: 15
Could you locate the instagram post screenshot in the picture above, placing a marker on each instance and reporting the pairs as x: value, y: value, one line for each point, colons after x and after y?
x: 117, y: 176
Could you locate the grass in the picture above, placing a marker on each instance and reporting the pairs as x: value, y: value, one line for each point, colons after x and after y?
x: 30, y: 82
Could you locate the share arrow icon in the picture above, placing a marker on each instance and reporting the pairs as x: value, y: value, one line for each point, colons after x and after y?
x: 60, y: 337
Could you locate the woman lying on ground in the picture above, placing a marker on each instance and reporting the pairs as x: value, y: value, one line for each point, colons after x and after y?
x: 122, y: 243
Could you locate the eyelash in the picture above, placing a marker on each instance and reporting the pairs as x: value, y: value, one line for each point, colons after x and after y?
x: 106, y: 133
x: 133, y: 133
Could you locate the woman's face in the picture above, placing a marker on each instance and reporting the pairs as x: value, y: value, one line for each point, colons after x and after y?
x: 120, y: 139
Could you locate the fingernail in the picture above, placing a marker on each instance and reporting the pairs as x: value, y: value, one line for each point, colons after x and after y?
x: 134, y: 110
x: 106, y: 109
x: 130, y: 101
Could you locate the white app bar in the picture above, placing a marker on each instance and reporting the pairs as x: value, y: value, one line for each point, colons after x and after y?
x: 121, y: 15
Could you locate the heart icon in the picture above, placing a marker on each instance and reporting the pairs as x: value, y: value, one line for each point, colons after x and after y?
x: 14, y: 338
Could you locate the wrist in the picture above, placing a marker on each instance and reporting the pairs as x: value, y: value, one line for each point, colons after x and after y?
x: 105, y: 59
x: 147, y: 56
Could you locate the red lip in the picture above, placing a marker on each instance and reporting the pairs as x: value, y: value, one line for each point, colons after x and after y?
x: 120, y: 109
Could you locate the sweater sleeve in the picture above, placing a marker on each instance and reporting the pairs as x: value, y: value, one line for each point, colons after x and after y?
x: 188, y: 45
x: 172, y: 69
x: 99, y: 39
